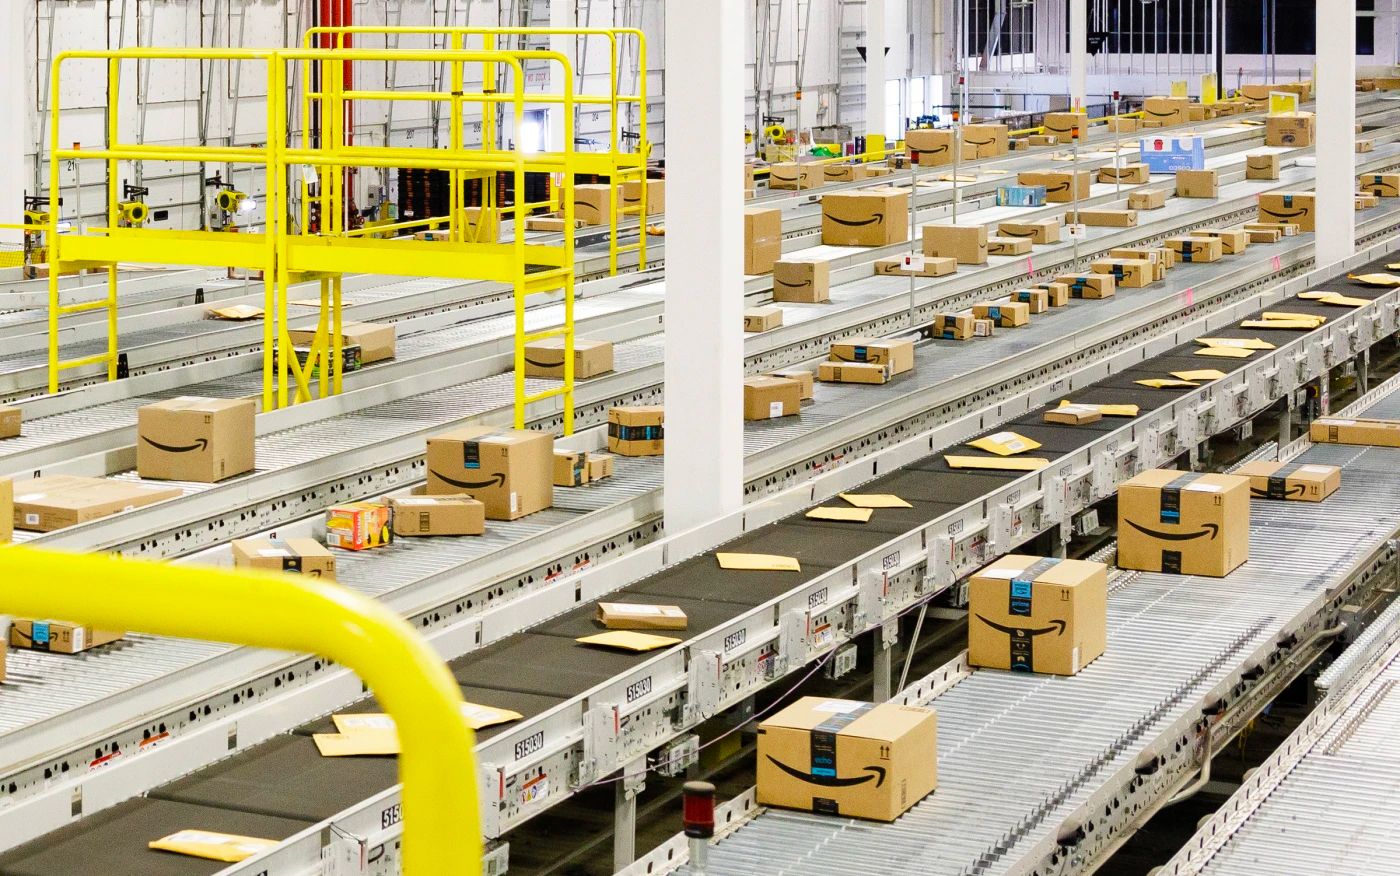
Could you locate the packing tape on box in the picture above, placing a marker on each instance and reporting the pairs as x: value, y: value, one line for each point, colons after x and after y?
x: 1278, y: 482
x: 1020, y: 593
x: 824, y: 761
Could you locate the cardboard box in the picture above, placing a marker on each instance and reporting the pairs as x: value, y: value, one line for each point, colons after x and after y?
x: 802, y: 282
x: 1264, y: 235
x: 358, y: 526
x: 1128, y: 174
x: 1059, y: 185
x: 898, y: 162
x: 806, y: 380
x: 203, y: 440
x: 1293, y: 481
x: 1062, y: 125
x: 1183, y: 523
x: 843, y: 172
x: 635, y: 616
x: 591, y: 203
x: 1284, y: 229
x: 1366, y: 200
x: 10, y: 421
x: 1123, y: 126
x: 1073, y: 415
x: 4, y: 647
x: 966, y: 243
x: 763, y: 240
x: 853, y: 372
x: 549, y: 222
x: 1159, y: 255
x: 930, y: 147
x: 415, y: 516
x: 1008, y: 246
x: 983, y: 327
x: 839, y: 757
x: 1036, y: 300
x: 545, y: 358
x: 1166, y: 110
x: 1382, y: 185
x: 1261, y: 165
x: 761, y: 319
x: 1019, y: 143
x: 1127, y: 273
x: 7, y: 512
x: 1195, y: 112
x: 1197, y: 184
x: 375, y: 340
x: 1334, y: 430
x: 656, y: 195
x: 637, y: 430
x: 870, y: 217
x: 507, y: 470
x: 1257, y: 92
x: 1057, y: 293
x: 54, y: 502
x: 58, y: 637
x: 898, y: 353
x: 1108, y: 218
x: 600, y: 465
x: 1037, y: 232
x: 1164, y: 154
x: 768, y: 398
x: 1037, y: 614
x: 790, y: 175
x: 570, y: 468
x: 1043, y: 140
x: 1193, y: 250
x: 1289, y: 130
x: 1006, y: 314
x: 1233, y: 241
x: 298, y: 556
x: 985, y: 141
x: 1152, y: 199
x: 953, y: 326
x: 1089, y: 285
x: 933, y: 267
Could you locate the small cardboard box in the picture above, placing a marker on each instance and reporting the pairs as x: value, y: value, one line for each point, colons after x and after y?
x: 898, y: 353
x: 1056, y: 293
x: 1089, y: 285
x: 1183, y: 523
x: 507, y: 470
x: 58, y: 637
x: 545, y: 358
x: 1108, y: 218
x: 549, y: 222
x: 790, y: 175
x: 761, y: 319
x: 768, y: 398
x: 637, y: 430
x: 375, y: 340
x: 1043, y: 140
x: 1006, y: 314
x: 966, y: 243
x: 7, y: 512
x: 1059, y: 185
x: 591, y: 203
x: 1257, y: 92
x: 570, y: 468
x: 635, y: 616
x: 1197, y: 113
x: 1192, y: 250
x: 1127, y: 273
x: 1132, y: 174
x: 1123, y: 126
x: 656, y: 195
x: 1167, y: 110
x: 1261, y: 165
x: 1073, y: 415
x: 1382, y: 185
x: 853, y: 372
x: 203, y: 440
x: 985, y: 141
x: 416, y: 516
x: 1036, y: 300
x: 1037, y: 614
x: 10, y: 419
x: 1333, y: 430
x: 299, y: 556
x: 763, y: 239
x: 871, y: 217
x: 1264, y: 235
x: 843, y: 172
x: 1159, y: 255
x: 806, y: 380
x: 1008, y: 246
x: 1366, y: 200
x: 600, y: 465
x: 54, y: 502
x: 1284, y: 229
x: 1037, y: 232
x: 1289, y: 130
x: 802, y: 282
x: 929, y: 147
x: 358, y: 526
x: 953, y: 326
x: 840, y: 757
x: 1152, y: 199
x: 933, y: 267
x: 1233, y: 241
x: 1062, y: 125
x: 983, y: 328
x: 1294, y: 481
x: 1197, y: 184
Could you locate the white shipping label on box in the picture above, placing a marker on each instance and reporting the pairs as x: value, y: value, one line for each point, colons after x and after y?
x: 775, y: 410
x: 913, y: 262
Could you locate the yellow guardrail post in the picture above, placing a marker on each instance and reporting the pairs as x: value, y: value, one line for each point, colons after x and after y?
x: 442, y: 831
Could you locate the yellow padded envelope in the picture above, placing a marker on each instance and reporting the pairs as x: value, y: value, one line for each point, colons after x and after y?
x: 844, y: 515
x: 875, y: 500
x: 236, y: 312
x: 1165, y: 383
x: 627, y: 640
x: 1345, y: 301
x: 1018, y: 463
x: 373, y: 734
x: 1106, y: 410
x: 1005, y: 444
x: 1281, y: 324
x: 1376, y: 279
x: 1319, y: 296
x: 1237, y: 343
x: 226, y: 847
x: 1204, y: 374
x: 758, y: 562
x: 1226, y: 352
x: 1281, y: 314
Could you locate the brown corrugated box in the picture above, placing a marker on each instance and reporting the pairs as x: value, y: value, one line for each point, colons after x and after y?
x: 545, y: 358
x: 985, y: 141
x: 1057, y: 293
x: 1037, y: 232
x: 933, y: 267
x: 1108, y: 218
x: 1037, y: 614
x: 7, y: 510
x: 1261, y: 165
x: 953, y: 326
x: 1062, y: 124
x: 1337, y: 430
x: 10, y: 421
x: 853, y: 372
x: 507, y: 470
x: 1134, y: 174
x: 1127, y: 273
x: 1194, y: 250
x: 1036, y: 300
x: 58, y: 637
x: 1059, y: 185
x: 1152, y: 199
x: 1285, y: 229
x: 1183, y: 523
x: 189, y: 438
x: 897, y: 353
x: 871, y: 217
x: 1197, y: 184
x: 49, y: 503
x: 437, y: 515
x: 1089, y: 285
x: 789, y: 175
x: 636, y: 616
x: 1008, y: 246
x: 375, y: 340
x: 600, y: 465
x: 806, y: 380
x: 1366, y: 200
x: 1298, y: 482
x: 301, y: 556
x: 591, y: 203
x: 855, y: 760
x: 1073, y: 415
x: 843, y: 172
x: 1006, y: 314
x: 930, y: 147
x: 1123, y: 126
x: 1382, y: 185
x: 570, y: 468
x: 761, y: 319
x: 802, y: 282
x: 966, y: 243
x: 763, y: 239
x: 1233, y: 241
x: 656, y: 195
x: 1290, y: 130
x: 637, y: 430
x: 768, y: 398
x: 1166, y: 110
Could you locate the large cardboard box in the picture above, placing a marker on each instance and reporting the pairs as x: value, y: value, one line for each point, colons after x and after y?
x: 763, y: 239
x: 1037, y: 614
x: 843, y: 173
x: 1037, y: 232
x: 953, y: 326
x: 933, y: 267
x: 656, y: 195
x: 545, y: 358
x: 1183, y: 523
x: 985, y: 141
x: 1382, y: 185
x: 762, y: 319
x: 591, y: 203
x: 1259, y: 91
x: 1167, y: 110
x: 189, y: 438
x: 1261, y: 165
x: 898, y: 353
x: 637, y: 430
x: 930, y: 147
x: 871, y: 217
x: 1089, y: 285
x: 853, y: 372
x: 846, y: 758
x: 802, y: 282
x: 1127, y: 273
x: 1060, y: 186
x: 1006, y: 314
x: 1192, y: 250
x: 10, y: 420
x: 58, y: 637
x: 1233, y: 241
x: 1290, y: 130
x: 790, y: 175
x: 966, y: 243
x: 1152, y: 199
x: 299, y: 556
x: 507, y: 470
x: 49, y: 503
x: 437, y: 515
x: 1130, y: 174
x: 1062, y: 125
x: 359, y: 526
x: 768, y: 398
x: 375, y: 340
x: 1057, y: 292
x: 1299, y: 482
x: 1197, y: 184
x: 1337, y: 430
x: 1123, y: 126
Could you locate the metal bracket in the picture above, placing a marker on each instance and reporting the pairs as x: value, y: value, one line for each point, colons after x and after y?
x: 602, y: 726
x: 705, y: 693
x: 940, y: 562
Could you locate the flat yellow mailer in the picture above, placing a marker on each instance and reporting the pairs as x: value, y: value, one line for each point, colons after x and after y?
x: 962, y: 177
x: 1375, y: 279
x: 843, y: 515
x: 626, y: 640
x: 1281, y: 324
x: 1280, y: 314
x: 1005, y: 444
x: 1315, y: 295
x: 477, y: 715
x: 1225, y: 352
x: 758, y: 562
x: 1345, y: 301
x: 1203, y: 374
x: 372, y: 743
x: 226, y: 847
x: 1239, y: 343
x: 1106, y: 410
x: 1394, y: 266
x: 1017, y: 463
x: 1165, y: 383
x: 875, y: 500
x: 236, y: 312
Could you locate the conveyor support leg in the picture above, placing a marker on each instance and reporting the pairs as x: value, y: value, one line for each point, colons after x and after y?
x: 625, y: 813
x: 884, y: 652
x: 1285, y: 424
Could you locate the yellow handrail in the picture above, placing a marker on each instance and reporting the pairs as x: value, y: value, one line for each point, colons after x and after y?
x: 442, y: 831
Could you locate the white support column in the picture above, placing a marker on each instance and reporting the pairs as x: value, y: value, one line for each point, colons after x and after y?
x: 14, y: 107
x: 562, y: 13
x: 875, y: 42
x: 704, y: 261
x: 1336, y: 138
x: 1078, y: 51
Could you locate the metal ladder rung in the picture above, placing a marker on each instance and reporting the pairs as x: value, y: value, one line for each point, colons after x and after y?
x: 560, y: 332
x: 81, y: 307
x: 99, y: 359
x: 548, y: 393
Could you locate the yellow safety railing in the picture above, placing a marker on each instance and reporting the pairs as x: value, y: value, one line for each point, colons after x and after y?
x: 15, y: 258
x: 441, y: 830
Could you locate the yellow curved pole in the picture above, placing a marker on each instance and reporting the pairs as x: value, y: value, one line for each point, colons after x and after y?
x: 442, y: 832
